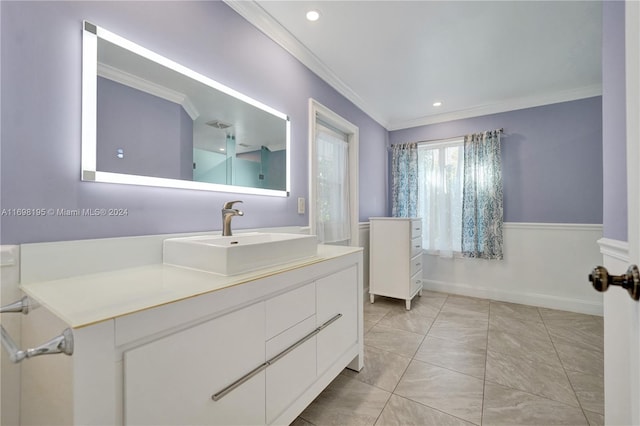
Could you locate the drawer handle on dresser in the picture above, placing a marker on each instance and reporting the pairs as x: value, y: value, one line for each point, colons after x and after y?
x: 218, y: 396
x: 418, y: 264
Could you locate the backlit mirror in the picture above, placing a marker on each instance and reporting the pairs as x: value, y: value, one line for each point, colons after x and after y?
x: 147, y: 120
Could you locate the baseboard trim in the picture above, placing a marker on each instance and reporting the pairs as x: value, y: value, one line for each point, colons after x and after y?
x: 532, y: 299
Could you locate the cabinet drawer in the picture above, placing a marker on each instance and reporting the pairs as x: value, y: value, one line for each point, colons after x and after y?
x: 289, y: 309
x: 171, y: 381
x: 416, y: 228
x: 416, y: 281
x: 416, y: 246
x: 416, y: 265
x: 289, y: 377
x: 337, y: 294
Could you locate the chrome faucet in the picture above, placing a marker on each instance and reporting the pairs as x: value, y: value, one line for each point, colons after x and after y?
x: 228, y: 212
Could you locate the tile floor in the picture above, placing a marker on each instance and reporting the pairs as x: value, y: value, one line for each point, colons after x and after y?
x: 456, y: 360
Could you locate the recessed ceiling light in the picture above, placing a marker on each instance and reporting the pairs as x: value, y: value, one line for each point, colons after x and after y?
x: 313, y: 15
x: 221, y: 149
x: 437, y: 104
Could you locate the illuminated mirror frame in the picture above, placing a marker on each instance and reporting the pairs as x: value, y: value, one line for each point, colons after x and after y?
x: 90, y: 36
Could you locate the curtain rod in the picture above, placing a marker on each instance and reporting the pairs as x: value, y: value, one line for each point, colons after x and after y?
x: 389, y: 148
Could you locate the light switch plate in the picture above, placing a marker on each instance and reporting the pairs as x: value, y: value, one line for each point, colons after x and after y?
x: 300, y: 205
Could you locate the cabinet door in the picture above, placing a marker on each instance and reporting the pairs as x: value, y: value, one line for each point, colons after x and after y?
x: 171, y: 381
x: 336, y: 294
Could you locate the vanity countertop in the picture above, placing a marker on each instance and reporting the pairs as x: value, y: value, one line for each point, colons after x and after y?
x: 87, y: 299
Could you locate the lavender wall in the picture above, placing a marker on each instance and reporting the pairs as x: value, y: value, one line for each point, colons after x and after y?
x: 41, y: 97
x: 614, y: 135
x: 147, y: 128
x: 551, y: 159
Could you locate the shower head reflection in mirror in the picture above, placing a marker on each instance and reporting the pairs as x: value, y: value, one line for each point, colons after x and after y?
x: 147, y: 120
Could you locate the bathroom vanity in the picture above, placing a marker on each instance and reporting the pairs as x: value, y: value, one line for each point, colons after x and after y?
x: 159, y: 344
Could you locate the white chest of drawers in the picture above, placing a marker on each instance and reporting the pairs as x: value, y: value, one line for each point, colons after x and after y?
x: 395, y: 258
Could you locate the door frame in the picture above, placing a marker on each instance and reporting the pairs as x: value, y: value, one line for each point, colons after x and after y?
x: 632, y: 72
x: 319, y: 111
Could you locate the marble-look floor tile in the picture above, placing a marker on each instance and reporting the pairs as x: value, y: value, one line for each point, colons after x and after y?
x: 555, y: 314
x: 367, y: 325
x: 454, y: 393
x: 589, y: 389
x: 458, y: 318
x: 346, y: 402
x: 393, y: 340
x: 523, y: 346
x: 514, y: 310
x: 469, y: 303
x: 586, y: 334
x: 300, y: 422
x: 375, y: 311
x: 517, y: 327
x: 381, y: 368
x: 461, y: 312
x: 506, y: 406
x: 474, y: 336
x: 594, y: 419
x: 581, y: 360
x: 411, y: 321
x: 404, y: 412
x: 459, y: 356
x: 549, y: 381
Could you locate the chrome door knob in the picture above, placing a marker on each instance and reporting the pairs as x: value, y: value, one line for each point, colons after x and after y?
x: 601, y: 280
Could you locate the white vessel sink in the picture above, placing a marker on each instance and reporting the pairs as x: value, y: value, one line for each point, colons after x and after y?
x: 239, y: 253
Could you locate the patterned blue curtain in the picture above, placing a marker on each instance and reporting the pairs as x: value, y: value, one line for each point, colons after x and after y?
x: 404, y: 180
x: 482, y: 197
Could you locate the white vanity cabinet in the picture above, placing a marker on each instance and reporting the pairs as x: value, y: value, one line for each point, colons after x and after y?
x: 395, y: 258
x: 249, y: 354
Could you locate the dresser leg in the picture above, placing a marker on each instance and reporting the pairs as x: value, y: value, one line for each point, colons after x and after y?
x: 408, y: 304
x: 372, y: 297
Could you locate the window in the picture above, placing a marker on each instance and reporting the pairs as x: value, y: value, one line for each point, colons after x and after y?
x: 333, y: 177
x: 440, y: 176
x: 332, y: 202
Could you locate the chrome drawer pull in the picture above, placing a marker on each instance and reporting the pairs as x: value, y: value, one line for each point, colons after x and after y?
x: 218, y: 396
x: 292, y: 347
x: 331, y: 321
x: 249, y: 375
x: 304, y: 339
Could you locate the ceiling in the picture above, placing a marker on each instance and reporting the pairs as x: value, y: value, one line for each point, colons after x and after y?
x: 394, y: 59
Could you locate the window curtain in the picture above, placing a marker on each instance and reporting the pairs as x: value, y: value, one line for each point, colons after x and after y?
x: 482, y: 197
x: 333, y: 224
x: 404, y: 180
x: 440, y: 171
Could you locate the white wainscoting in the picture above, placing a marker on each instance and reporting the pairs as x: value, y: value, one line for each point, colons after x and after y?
x: 544, y: 265
x: 363, y: 230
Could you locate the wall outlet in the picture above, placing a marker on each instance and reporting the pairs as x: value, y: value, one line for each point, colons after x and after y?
x: 300, y: 205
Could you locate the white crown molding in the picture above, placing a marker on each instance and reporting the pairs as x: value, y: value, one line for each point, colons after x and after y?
x: 256, y: 15
x: 122, y: 77
x: 505, y: 106
x: 263, y: 21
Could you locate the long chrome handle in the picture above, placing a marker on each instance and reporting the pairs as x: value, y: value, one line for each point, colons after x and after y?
x: 218, y: 396
x: 225, y: 391
x: 59, y: 344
